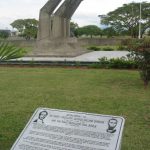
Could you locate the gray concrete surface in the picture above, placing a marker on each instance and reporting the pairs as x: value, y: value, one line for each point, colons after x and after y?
x: 54, y: 30
x: 56, y: 24
x: 88, y: 57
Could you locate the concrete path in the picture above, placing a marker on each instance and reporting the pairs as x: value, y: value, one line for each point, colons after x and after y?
x: 88, y: 57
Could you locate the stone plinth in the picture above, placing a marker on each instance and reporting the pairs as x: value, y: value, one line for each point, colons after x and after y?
x: 66, y: 47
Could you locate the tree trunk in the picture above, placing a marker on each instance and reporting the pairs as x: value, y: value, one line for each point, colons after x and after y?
x: 145, y: 84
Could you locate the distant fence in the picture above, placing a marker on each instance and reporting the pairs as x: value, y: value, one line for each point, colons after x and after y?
x: 21, y: 43
x: 81, y: 41
x: 99, y: 41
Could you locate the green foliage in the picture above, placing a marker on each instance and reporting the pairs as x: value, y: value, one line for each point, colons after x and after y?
x: 19, y: 25
x: 109, y: 32
x: 117, y: 63
x: 8, y: 52
x: 4, y: 34
x: 125, y: 19
x: 73, y: 27
x: 101, y: 48
x: 108, y: 49
x: 140, y: 52
x: 89, y: 30
x: 121, y: 47
x: 94, y: 48
x: 27, y: 27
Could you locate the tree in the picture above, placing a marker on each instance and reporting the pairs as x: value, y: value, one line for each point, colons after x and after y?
x: 148, y: 33
x: 109, y: 32
x: 73, y: 27
x: 127, y: 17
x: 89, y: 30
x: 140, y: 53
x: 4, y: 34
x: 27, y: 27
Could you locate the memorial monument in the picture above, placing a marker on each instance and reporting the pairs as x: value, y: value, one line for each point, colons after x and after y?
x: 54, y: 30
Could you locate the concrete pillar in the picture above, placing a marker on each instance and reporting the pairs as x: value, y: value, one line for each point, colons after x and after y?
x: 58, y: 25
x: 64, y: 13
x: 45, y: 19
x: 67, y: 9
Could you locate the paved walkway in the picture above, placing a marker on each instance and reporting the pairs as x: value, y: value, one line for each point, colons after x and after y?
x: 88, y: 57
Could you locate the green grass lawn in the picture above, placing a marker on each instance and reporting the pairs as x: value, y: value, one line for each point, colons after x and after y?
x: 112, y: 92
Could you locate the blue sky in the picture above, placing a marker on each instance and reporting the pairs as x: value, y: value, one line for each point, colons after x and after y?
x: 86, y: 14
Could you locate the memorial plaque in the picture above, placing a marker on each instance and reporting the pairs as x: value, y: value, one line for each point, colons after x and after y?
x: 51, y: 129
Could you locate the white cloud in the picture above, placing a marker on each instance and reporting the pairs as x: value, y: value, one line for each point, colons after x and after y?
x: 87, y: 13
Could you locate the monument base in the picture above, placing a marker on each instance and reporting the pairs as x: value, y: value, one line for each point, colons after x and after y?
x: 58, y: 47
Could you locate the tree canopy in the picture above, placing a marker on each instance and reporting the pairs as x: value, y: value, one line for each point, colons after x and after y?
x: 4, y: 34
x: 73, y: 27
x: 127, y: 18
x: 27, y: 27
x: 109, y: 32
x: 89, y: 30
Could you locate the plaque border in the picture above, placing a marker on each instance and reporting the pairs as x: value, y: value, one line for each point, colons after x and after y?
x: 59, y: 110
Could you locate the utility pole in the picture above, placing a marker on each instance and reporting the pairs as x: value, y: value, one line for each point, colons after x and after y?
x: 101, y: 17
x: 140, y: 18
x: 132, y: 22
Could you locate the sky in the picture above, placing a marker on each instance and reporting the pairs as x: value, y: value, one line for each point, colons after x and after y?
x: 86, y: 14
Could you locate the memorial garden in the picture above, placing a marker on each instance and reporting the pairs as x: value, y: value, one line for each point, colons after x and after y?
x: 117, y: 92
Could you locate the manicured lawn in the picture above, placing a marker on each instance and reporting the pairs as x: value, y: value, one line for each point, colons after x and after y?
x: 114, y: 92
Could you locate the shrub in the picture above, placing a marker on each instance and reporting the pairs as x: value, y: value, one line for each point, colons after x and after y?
x: 122, y: 63
x: 8, y: 51
x: 108, y: 49
x: 103, y: 62
x: 140, y: 52
x: 118, y: 63
x: 94, y: 48
x: 121, y: 47
x: 95, y: 65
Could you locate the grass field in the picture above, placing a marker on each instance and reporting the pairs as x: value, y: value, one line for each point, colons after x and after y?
x: 114, y: 92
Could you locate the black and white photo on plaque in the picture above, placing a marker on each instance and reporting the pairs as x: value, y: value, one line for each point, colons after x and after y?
x: 112, y: 123
x: 41, y: 117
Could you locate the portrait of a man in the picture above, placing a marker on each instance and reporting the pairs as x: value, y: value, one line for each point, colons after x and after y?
x: 112, y: 123
x: 42, y: 116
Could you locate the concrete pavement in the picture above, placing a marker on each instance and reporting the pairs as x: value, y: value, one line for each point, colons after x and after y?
x: 88, y: 57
